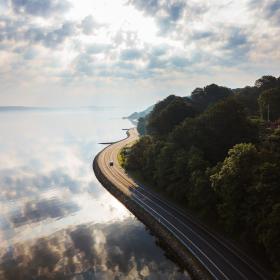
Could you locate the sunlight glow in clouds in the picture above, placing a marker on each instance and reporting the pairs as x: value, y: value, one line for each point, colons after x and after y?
x: 115, y: 15
x: 81, y: 52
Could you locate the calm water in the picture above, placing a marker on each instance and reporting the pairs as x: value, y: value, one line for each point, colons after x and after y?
x: 56, y: 220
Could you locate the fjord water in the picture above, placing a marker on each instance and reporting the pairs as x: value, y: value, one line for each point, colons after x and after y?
x: 56, y: 220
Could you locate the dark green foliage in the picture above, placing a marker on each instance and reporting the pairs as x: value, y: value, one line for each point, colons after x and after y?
x: 248, y: 97
x: 137, y: 158
x: 232, y: 182
x: 200, y: 196
x: 248, y: 188
x: 167, y: 114
x: 267, y: 82
x: 141, y: 126
x: 269, y: 102
x: 269, y: 237
x: 216, y: 130
x: 203, y: 97
x: 271, y: 144
x: 213, y: 154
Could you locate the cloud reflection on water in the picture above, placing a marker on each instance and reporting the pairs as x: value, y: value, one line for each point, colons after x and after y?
x: 56, y: 220
x: 90, y: 252
x: 34, y: 211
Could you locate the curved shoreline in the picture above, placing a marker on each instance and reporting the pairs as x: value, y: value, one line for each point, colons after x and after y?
x: 182, y: 255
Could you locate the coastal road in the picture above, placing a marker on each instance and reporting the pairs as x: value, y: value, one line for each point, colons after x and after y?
x: 219, y: 257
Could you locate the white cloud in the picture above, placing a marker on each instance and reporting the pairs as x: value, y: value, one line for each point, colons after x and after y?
x: 101, y: 43
x: 44, y: 8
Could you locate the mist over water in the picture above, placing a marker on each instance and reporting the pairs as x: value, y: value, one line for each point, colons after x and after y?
x: 56, y: 220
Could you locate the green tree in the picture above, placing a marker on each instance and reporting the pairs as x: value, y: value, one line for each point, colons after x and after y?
x: 203, y: 97
x: 248, y: 97
x: 232, y: 182
x: 141, y: 126
x: 201, y: 197
x: 216, y: 130
x: 269, y: 237
x: 167, y: 114
x: 269, y: 102
x: 267, y: 82
x: 164, y: 173
x: 136, y: 159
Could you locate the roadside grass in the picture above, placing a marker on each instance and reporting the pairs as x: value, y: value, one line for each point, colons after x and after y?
x: 123, y: 152
x: 121, y: 157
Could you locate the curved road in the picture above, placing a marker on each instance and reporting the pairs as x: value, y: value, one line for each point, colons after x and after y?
x: 220, y: 258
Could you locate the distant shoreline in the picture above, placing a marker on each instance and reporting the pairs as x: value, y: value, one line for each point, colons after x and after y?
x: 51, y: 109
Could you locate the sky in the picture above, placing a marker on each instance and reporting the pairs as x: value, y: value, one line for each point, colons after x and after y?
x: 132, y: 52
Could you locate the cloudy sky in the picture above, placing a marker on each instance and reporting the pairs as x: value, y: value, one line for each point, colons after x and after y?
x: 132, y: 52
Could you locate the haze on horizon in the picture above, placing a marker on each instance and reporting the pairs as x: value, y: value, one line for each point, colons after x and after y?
x: 131, y: 52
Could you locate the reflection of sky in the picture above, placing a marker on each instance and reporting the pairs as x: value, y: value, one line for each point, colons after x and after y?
x: 48, y: 190
x: 119, y: 250
x: 45, y: 171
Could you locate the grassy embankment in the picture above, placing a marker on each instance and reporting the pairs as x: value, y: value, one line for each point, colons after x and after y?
x: 123, y: 152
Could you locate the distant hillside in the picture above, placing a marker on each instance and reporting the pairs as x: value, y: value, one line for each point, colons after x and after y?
x: 136, y: 115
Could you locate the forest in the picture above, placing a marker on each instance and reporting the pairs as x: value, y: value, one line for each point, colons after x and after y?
x: 217, y: 154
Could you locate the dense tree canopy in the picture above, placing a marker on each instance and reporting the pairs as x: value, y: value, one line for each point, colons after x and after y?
x: 211, y: 153
x: 167, y: 114
x: 248, y: 97
x: 269, y: 102
x: 203, y: 97
x: 266, y: 82
x: 216, y: 130
x: 141, y: 125
x: 232, y: 182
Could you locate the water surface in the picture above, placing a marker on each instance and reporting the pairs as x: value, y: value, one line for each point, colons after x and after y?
x: 56, y: 220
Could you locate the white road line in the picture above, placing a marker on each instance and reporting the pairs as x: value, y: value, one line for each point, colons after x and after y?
x: 200, y: 237
x: 189, y: 240
x: 232, y: 250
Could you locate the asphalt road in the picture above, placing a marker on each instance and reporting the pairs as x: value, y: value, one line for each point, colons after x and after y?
x: 217, y: 255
